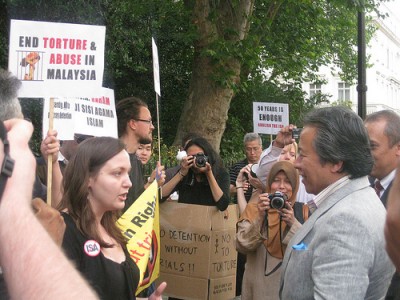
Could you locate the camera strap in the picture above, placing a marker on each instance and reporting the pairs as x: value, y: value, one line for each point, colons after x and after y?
x: 266, y: 255
x: 7, y: 165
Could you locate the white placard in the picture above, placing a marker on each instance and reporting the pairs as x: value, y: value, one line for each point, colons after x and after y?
x: 156, y: 68
x: 93, y: 114
x: 63, y: 120
x: 56, y: 59
x: 269, y: 118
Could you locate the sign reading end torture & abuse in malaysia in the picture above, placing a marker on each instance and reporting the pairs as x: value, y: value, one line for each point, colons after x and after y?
x: 56, y: 59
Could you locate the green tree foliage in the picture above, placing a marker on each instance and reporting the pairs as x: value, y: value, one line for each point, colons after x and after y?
x: 3, y: 33
x: 262, y: 91
x: 130, y: 26
x: 283, y: 46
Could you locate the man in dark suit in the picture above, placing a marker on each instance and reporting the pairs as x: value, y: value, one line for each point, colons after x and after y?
x: 392, y: 227
x: 384, y: 133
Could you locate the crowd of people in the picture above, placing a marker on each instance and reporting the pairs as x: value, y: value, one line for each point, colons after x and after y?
x: 312, y: 218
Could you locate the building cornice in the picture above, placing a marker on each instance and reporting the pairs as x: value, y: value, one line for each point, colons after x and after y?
x: 386, y: 31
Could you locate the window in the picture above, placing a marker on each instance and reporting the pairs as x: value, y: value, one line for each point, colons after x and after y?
x: 343, y: 91
x: 314, y: 89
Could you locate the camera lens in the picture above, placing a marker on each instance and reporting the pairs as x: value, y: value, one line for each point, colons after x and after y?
x: 277, y: 202
x: 200, y: 160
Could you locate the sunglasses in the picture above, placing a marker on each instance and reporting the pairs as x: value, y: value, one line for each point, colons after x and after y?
x: 7, y: 165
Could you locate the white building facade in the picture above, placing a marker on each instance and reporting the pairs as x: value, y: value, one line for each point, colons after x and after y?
x: 383, y: 77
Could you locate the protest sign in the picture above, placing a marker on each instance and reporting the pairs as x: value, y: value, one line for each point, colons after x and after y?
x: 156, y: 68
x: 269, y: 118
x: 56, y: 59
x: 198, y: 255
x: 96, y: 115
x: 63, y: 120
x: 140, y: 224
x: 92, y: 114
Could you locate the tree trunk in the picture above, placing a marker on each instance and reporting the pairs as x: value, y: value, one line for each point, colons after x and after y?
x: 206, y: 110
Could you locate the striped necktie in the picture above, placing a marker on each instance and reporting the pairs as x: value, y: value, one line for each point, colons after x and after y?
x: 312, y: 206
x: 378, y: 188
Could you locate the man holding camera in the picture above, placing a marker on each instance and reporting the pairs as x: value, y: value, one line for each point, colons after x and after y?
x: 253, y: 149
x: 339, y: 253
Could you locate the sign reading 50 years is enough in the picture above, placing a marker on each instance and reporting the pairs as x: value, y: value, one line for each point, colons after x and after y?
x: 56, y: 59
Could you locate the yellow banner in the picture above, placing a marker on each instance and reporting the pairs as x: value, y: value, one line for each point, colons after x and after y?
x: 140, y: 224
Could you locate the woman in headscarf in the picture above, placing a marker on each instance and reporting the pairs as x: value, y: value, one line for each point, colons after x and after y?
x: 264, y: 231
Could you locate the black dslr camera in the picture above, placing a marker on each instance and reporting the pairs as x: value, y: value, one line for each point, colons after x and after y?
x: 277, y: 200
x: 200, y: 160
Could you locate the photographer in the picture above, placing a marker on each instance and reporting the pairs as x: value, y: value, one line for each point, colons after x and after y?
x: 201, y: 179
x: 265, y: 227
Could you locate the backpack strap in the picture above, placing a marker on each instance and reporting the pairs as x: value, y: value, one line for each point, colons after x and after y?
x: 301, y: 212
x: 306, y: 212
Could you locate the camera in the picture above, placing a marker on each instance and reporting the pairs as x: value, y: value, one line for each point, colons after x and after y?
x: 200, y: 160
x: 277, y: 200
x: 253, y: 170
x: 296, y: 133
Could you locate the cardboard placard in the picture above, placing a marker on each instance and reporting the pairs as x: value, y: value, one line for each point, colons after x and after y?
x: 197, y: 245
x: 190, y: 288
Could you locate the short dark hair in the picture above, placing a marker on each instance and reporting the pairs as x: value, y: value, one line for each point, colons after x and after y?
x: 392, y: 128
x: 128, y: 109
x: 341, y: 136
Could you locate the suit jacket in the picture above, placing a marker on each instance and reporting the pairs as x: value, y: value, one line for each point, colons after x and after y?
x: 385, y: 194
x: 394, y: 287
x: 343, y: 254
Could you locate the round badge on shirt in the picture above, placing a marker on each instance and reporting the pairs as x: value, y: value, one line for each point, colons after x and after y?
x: 91, y: 248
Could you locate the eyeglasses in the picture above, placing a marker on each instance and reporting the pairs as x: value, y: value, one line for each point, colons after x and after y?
x: 150, y: 122
x: 255, y: 149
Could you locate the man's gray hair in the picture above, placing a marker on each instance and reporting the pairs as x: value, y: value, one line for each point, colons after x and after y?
x: 9, y: 105
x: 392, y: 126
x: 251, y: 136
